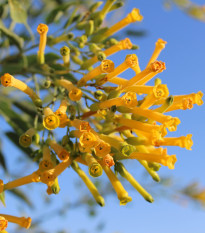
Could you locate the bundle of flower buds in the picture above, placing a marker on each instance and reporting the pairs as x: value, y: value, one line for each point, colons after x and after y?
x: 107, y: 118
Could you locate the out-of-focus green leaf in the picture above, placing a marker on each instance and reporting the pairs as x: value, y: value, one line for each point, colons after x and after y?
x: 2, y: 160
x: 25, y: 107
x: 13, y: 119
x: 51, y: 57
x: 2, y: 198
x: 11, y: 35
x: 17, y: 11
x: 136, y: 32
x: 21, y: 195
x: 15, y: 139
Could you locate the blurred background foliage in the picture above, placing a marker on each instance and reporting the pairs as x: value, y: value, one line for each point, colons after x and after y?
x: 18, y: 44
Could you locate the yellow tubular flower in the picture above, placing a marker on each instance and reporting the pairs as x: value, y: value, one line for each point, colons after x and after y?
x: 54, y: 189
x: 159, y: 46
x: 65, y: 53
x: 166, y: 160
x: 127, y: 100
x: 108, y: 160
x: 84, y: 149
x: 34, y: 177
x: 122, y: 45
x: 184, y: 104
x: 75, y: 93
x: 46, y: 162
x: 88, y: 139
x: 95, y: 168
x: 139, y: 89
x: 48, y: 177
x: 3, y: 223
x: 124, y: 173
x: 59, y: 150
x: 85, y: 127
x: 99, y: 199
x: 119, y: 81
x: 131, y: 61
x: 102, y: 149
x: 160, y: 91
x: 183, y: 141
x: 21, y: 221
x: 42, y: 29
x: 106, y: 66
x: 168, y: 121
x: 196, y: 98
x: 132, y: 17
x: 50, y: 120
x: 122, y: 194
x: 25, y: 139
x: 151, y: 172
x: 61, y: 113
x: 8, y: 80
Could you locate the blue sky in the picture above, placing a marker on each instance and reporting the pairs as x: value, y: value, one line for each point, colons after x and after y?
x: 184, y: 56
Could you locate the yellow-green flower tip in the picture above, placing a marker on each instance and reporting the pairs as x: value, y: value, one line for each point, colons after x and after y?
x: 100, y: 200
x: 149, y: 198
x: 125, y: 200
x: 94, y: 107
x: 38, y: 102
x: 64, y: 51
x: 55, y: 187
x: 126, y: 150
x: 25, y: 140
x: 51, y: 122
x: 95, y: 170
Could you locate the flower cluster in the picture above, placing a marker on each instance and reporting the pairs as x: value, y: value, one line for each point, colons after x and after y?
x: 123, y: 118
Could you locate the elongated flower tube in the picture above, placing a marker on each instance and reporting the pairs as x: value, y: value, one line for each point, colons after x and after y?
x: 59, y: 150
x: 139, y: 89
x: 168, y: 121
x: 166, y: 160
x: 131, y: 61
x: 159, y: 46
x: 102, y: 149
x: 75, y: 93
x: 183, y: 141
x: 99, y: 199
x: 25, y: 139
x: 184, y: 104
x: 108, y: 160
x: 159, y: 92
x: 95, y: 168
x: 196, y: 98
x: 106, y: 66
x: 65, y: 53
x: 166, y: 105
x: 153, y: 69
x: 118, y: 81
x: 124, y: 173
x: 8, y: 80
x: 61, y: 113
x: 132, y: 17
x: 48, y: 177
x: 34, y: 177
x: 122, y: 194
x: 21, y: 221
x: 42, y: 29
x: 127, y: 100
x: 53, y: 189
x: 3, y: 223
x: 121, y: 45
x: 46, y: 162
x: 50, y: 120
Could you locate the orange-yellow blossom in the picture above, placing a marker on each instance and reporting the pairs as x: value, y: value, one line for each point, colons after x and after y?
x: 50, y: 120
x: 88, y: 139
x: 121, y: 45
x: 106, y: 66
x: 95, y: 168
x: 75, y: 93
x: 46, y: 162
x: 59, y: 150
x: 108, y: 160
x: 166, y: 160
x: 61, y: 113
x: 122, y: 194
x: 42, y: 29
x: 3, y: 223
x: 21, y: 221
x: 25, y: 139
x: 183, y: 141
x: 102, y: 149
x: 159, y: 91
x: 159, y: 46
x: 8, y: 80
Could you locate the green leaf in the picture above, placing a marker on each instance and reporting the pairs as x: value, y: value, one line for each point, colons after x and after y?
x: 2, y: 160
x: 51, y: 57
x: 18, y: 41
x: 21, y: 195
x: 2, y: 198
x: 17, y: 11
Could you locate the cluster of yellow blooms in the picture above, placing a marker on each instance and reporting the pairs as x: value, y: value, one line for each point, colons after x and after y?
x: 118, y: 126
